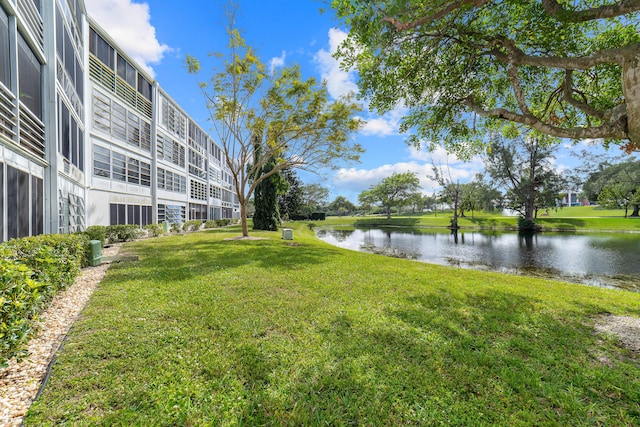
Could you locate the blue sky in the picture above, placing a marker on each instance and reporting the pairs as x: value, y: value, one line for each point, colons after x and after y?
x: 159, y: 33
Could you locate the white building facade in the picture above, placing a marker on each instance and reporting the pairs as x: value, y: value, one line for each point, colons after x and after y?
x: 88, y: 138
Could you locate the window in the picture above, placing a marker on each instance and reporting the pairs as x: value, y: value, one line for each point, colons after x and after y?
x: 170, y: 150
x: 101, y: 49
x: 130, y: 214
x: 172, y: 119
x: 117, y: 214
x: 170, y: 181
x: 66, y: 48
x: 29, y: 74
x: 171, y: 213
x: 145, y: 174
x: 144, y: 87
x: 5, y: 60
x: 197, y: 164
x: 116, y: 120
x: 25, y: 195
x: 101, y: 162
x: 198, y: 190
x: 197, y: 211
x: 126, y: 71
x: 117, y: 166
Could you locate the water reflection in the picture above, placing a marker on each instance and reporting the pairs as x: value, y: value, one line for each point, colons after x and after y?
x: 597, y: 259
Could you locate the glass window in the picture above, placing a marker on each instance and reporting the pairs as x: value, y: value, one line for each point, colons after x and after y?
x: 144, y: 87
x: 69, y: 56
x: 29, y: 70
x: 81, y: 149
x: 133, y: 171
x: 119, y: 121
x: 65, y: 130
x: 37, y: 206
x: 101, y: 162
x: 145, y: 174
x: 5, y: 61
x: 100, y: 48
x: 119, y: 167
x: 126, y: 71
x: 59, y: 33
x: 74, y: 142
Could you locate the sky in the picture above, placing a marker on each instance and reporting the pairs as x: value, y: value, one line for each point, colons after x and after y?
x: 158, y: 34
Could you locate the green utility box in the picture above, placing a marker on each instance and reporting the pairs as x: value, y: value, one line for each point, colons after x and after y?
x: 96, y: 252
x: 287, y: 233
x: 166, y: 226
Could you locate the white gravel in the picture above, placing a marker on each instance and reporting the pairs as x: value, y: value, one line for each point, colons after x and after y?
x: 19, y: 382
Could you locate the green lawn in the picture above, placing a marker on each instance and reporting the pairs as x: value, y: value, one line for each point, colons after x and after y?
x: 577, y: 218
x: 205, y: 331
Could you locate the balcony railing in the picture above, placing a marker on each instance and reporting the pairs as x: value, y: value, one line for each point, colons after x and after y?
x: 7, y: 113
x: 31, y: 132
x: 32, y: 17
x: 105, y: 76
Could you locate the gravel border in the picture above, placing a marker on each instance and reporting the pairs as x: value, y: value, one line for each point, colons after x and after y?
x: 20, y: 382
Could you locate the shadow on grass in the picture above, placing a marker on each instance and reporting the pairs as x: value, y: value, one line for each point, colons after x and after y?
x: 200, y: 254
x: 473, y: 360
x: 561, y: 223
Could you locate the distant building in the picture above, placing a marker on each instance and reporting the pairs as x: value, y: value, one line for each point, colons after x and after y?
x: 87, y: 137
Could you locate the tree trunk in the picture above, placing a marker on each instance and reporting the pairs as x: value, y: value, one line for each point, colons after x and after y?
x: 388, y: 212
x: 636, y: 211
x: 243, y: 219
x: 631, y: 90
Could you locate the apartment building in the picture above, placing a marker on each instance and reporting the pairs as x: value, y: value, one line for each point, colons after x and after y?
x: 88, y: 138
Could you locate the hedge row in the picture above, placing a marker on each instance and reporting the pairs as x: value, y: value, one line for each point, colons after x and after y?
x: 32, y: 271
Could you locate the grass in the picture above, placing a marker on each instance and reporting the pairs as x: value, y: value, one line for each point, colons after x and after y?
x: 205, y: 331
x: 577, y: 218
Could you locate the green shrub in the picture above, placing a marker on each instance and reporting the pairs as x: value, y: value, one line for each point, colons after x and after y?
x: 210, y: 223
x: 122, y: 233
x: 176, y: 227
x: 20, y: 301
x: 97, y: 232
x: 192, y: 225
x: 55, y: 259
x: 223, y: 222
x: 154, y: 230
x: 32, y: 271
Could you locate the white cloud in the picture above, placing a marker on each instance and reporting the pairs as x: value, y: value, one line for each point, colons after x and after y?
x: 384, y: 125
x: 352, y: 180
x: 339, y: 82
x: 277, y: 61
x: 128, y: 23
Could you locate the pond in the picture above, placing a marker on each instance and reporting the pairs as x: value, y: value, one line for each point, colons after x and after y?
x: 603, y: 259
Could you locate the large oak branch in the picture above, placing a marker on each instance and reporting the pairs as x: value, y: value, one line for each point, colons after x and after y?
x: 613, y: 130
x: 621, y: 8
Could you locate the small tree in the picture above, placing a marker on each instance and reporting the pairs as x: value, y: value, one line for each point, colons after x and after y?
x: 314, y: 198
x: 267, y: 214
x: 522, y: 167
x: 298, y: 126
x: 392, y: 191
x: 616, y: 186
x: 341, y: 206
x: 290, y: 202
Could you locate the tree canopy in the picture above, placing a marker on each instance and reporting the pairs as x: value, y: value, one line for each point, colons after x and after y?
x: 392, y: 191
x: 290, y: 118
x: 462, y: 67
x: 616, y: 186
x: 523, y: 168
